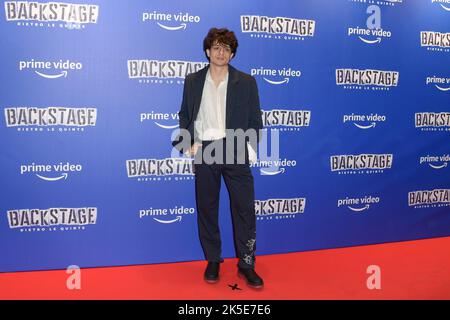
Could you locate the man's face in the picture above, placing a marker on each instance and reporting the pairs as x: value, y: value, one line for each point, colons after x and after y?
x: 219, y: 54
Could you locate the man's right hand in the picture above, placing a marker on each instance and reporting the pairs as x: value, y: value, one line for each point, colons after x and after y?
x: 194, y: 149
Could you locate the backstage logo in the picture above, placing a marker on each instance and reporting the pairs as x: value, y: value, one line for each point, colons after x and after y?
x: 52, y: 219
x: 178, y: 169
x: 286, y: 120
x: 364, y: 121
x: 368, y: 79
x: 433, y: 121
x: 279, y: 208
x: 50, y: 172
x: 429, y: 198
x: 280, y: 28
x: 163, y: 120
x: 51, y: 119
x: 51, y: 14
x: 361, y: 163
x: 276, y: 76
x: 159, y: 72
x: 273, y: 167
x: 387, y: 3
x: 50, y: 69
x: 171, y: 21
x: 440, y: 83
x: 358, y: 205
x: 373, y: 34
x: 435, y: 41
x: 444, y: 4
x: 167, y: 216
x: 435, y: 162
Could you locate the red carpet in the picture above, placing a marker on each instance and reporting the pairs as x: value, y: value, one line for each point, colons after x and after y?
x: 409, y: 270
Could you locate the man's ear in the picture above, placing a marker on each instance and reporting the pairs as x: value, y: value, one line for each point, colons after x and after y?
x: 208, y: 53
x: 232, y: 55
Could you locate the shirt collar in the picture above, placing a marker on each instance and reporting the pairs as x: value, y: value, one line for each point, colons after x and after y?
x: 209, y: 78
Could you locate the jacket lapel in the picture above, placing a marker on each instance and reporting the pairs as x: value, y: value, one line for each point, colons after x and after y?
x: 233, y: 79
x: 199, y: 83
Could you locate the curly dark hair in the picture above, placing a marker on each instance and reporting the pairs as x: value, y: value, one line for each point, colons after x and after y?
x: 222, y: 36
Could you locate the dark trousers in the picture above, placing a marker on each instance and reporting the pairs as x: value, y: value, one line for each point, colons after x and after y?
x: 239, y: 181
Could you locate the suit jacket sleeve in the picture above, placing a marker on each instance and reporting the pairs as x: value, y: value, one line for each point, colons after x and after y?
x: 255, y: 118
x: 184, y: 111
x: 184, y: 118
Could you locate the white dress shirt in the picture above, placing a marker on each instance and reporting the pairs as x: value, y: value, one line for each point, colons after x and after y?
x: 210, y: 122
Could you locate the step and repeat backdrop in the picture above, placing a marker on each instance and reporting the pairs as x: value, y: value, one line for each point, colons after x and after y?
x: 357, y: 92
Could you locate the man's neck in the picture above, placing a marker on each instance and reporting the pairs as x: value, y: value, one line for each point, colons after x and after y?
x: 218, y: 73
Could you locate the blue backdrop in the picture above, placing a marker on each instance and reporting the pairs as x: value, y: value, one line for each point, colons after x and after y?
x: 90, y: 87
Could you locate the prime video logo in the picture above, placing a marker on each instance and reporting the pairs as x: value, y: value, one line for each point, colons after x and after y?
x: 273, y: 167
x: 445, y: 4
x: 358, y: 204
x: 167, y: 216
x: 373, y: 34
x: 441, y: 83
x: 269, y: 74
x: 163, y: 120
x: 45, y: 67
x: 44, y: 171
x: 166, y: 20
x: 364, y: 121
x: 435, y: 162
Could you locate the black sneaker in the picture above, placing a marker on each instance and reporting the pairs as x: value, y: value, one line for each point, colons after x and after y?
x: 251, y: 277
x: 212, y: 272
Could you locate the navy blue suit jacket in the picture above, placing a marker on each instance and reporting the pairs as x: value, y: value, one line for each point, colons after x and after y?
x: 242, y: 103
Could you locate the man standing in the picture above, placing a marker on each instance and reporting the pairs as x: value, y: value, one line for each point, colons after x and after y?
x: 218, y: 101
